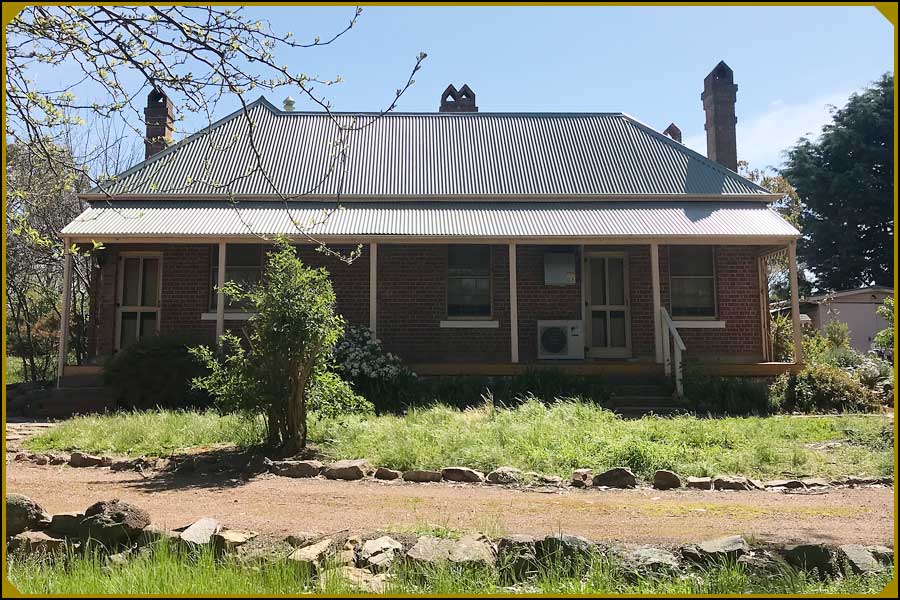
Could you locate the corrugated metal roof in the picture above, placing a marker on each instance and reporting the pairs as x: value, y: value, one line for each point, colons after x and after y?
x: 430, y: 155
x: 433, y: 219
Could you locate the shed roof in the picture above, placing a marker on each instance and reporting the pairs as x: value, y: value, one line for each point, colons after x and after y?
x: 503, y: 156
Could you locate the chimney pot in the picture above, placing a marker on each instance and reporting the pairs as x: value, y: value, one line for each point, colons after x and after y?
x: 673, y: 132
x: 719, y: 97
x: 288, y: 104
x: 159, y: 119
x: 462, y: 100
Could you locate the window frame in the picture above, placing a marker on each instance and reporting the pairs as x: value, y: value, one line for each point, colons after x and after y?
x: 490, y: 279
x: 713, y: 277
x: 141, y: 308
x: 214, y: 272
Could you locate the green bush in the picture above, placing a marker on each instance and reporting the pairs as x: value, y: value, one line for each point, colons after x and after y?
x: 843, y: 357
x: 782, y: 338
x: 331, y: 396
x: 884, y: 339
x: 155, y: 371
x: 837, y: 333
x: 821, y: 388
x: 736, y: 396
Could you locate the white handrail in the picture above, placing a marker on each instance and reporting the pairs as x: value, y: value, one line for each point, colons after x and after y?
x: 669, y: 329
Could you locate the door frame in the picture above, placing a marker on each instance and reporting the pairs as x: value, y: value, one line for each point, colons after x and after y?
x: 120, y: 289
x: 588, y: 308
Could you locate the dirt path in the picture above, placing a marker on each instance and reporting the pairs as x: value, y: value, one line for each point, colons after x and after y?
x: 278, y: 506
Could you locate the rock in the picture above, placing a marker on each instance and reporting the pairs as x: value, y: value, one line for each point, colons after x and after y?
x: 378, y: 554
x: 112, y: 523
x: 517, y: 556
x: 106, y: 461
x: 80, y: 459
x: 164, y: 464
x: 473, y: 550
x: 117, y: 560
x: 35, y: 542
x: 422, y: 476
x: 581, y: 478
x: 761, y: 562
x: 227, y: 541
x: 128, y: 465
x: 810, y: 556
x: 430, y: 550
x: 859, y: 558
x: 666, y: 480
x: 58, y: 459
x: 65, y: 524
x: 546, y: 479
x: 882, y: 554
x: 154, y: 535
x: 618, y: 477
x: 313, y: 557
x: 730, y: 482
x: 814, y: 482
x: 348, y: 469
x: 700, y: 483
x: 298, y: 468
x: 790, y: 484
x: 462, y: 474
x: 726, y: 548
x: 649, y: 560
x: 23, y: 513
x: 363, y: 580
x: 200, y: 532
x: 301, y: 538
x: 387, y: 474
x: 756, y: 484
x: 564, y: 549
x: 41, y: 459
x: 504, y: 476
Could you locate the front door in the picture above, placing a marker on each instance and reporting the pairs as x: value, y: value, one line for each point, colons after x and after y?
x: 138, y: 296
x: 607, y: 317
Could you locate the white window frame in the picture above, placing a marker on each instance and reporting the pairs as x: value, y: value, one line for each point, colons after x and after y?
x: 715, y: 286
x: 230, y: 313
x: 469, y: 320
x: 589, y: 307
x: 120, y: 292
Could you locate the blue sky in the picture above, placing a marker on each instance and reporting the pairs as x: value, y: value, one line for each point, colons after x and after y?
x: 790, y: 63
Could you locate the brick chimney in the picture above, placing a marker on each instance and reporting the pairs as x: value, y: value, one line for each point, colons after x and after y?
x: 462, y: 100
x: 159, y: 118
x: 673, y: 132
x: 719, y: 96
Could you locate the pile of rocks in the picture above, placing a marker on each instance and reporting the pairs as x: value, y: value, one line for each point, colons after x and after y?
x: 120, y: 530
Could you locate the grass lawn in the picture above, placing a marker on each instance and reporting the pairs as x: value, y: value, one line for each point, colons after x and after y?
x: 550, y: 439
x: 14, y: 372
x: 161, y: 572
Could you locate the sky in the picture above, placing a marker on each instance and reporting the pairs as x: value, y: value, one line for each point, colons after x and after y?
x: 790, y: 63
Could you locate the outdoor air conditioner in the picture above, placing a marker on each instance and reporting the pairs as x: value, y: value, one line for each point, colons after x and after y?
x: 560, y: 339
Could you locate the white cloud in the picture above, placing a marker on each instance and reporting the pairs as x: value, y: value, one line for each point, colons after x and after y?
x: 762, y: 139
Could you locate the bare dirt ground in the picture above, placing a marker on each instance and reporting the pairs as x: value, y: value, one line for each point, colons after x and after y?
x: 280, y: 506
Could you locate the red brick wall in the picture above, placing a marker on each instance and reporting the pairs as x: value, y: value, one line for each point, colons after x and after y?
x: 737, y: 303
x: 412, y: 300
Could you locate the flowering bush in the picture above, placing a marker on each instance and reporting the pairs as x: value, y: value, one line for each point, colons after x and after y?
x: 375, y: 374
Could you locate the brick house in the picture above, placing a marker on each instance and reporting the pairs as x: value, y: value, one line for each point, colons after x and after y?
x: 490, y: 241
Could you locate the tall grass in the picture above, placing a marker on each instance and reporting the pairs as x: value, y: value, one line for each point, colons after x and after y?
x: 553, y: 439
x: 161, y: 571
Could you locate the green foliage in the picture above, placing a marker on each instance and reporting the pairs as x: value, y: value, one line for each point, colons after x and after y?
x: 782, y: 338
x: 378, y: 375
x: 843, y: 357
x: 837, y: 333
x: 331, y: 396
x: 291, y: 337
x: 845, y: 180
x: 706, y: 394
x: 552, y: 439
x: 821, y: 388
x: 815, y: 346
x: 155, y: 371
x: 884, y: 339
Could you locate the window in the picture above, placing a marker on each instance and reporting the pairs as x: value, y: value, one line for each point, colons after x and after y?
x: 243, y: 265
x: 469, y: 281
x: 138, y: 297
x: 692, y: 281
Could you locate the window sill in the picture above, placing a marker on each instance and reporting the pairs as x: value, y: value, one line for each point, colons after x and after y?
x: 229, y: 316
x: 698, y: 324
x: 470, y: 324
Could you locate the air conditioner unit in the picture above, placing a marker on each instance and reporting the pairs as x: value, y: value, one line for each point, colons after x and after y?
x: 560, y: 339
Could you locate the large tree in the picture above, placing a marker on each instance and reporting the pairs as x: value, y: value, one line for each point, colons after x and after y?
x: 845, y: 180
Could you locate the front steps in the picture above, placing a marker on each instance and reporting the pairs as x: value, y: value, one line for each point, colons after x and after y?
x: 648, y: 397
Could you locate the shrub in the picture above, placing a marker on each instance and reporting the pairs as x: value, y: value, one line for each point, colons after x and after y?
x: 155, y: 371
x: 837, y: 333
x: 782, y: 338
x: 736, y: 396
x: 331, y: 396
x: 842, y: 357
x: 821, y: 388
x: 884, y: 339
x: 815, y: 345
x: 378, y: 375
x: 291, y: 336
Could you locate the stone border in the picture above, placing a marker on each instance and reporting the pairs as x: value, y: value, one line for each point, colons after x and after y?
x: 120, y: 530
x: 358, y: 469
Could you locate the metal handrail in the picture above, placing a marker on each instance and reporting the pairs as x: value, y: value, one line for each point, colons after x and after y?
x: 669, y: 329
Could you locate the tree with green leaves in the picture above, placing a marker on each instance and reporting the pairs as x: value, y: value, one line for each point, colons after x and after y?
x: 845, y: 180
x: 884, y: 339
x: 289, y: 340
